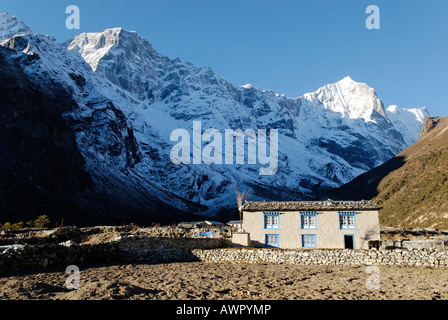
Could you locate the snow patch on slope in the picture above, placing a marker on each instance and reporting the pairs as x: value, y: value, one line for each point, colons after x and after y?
x: 408, y: 121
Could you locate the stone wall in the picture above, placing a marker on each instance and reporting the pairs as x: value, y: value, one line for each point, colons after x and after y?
x: 139, y: 242
x: 48, y: 255
x: 421, y: 244
x: 108, y: 233
x: 122, y: 249
x: 129, y: 248
x: 411, y: 257
x: 104, y: 244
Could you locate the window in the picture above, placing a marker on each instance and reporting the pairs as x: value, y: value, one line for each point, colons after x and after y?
x: 347, y: 220
x: 308, y: 220
x: 309, y: 241
x: 272, y: 240
x: 271, y: 220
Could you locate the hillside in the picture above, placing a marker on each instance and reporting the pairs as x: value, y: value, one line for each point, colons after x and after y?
x: 412, y: 187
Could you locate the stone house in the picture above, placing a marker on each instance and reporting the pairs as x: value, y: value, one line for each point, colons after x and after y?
x: 312, y: 224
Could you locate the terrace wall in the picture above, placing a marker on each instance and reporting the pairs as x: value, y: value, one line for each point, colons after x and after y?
x: 148, y: 251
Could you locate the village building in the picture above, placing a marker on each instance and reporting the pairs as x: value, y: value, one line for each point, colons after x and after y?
x: 235, y: 223
x: 312, y: 224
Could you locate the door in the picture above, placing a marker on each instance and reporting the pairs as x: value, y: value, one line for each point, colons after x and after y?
x: 349, y: 242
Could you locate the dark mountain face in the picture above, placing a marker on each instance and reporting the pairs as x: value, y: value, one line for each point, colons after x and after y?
x: 42, y: 171
x: 41, y: 168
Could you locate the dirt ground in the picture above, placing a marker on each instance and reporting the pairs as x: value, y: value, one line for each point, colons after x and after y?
x: 208, y: 281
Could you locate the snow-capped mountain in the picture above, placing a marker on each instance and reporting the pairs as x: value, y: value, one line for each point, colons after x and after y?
x: 11, y: 26
x: 408, y: 121
x: 350, y: 99
x: 129, y: 98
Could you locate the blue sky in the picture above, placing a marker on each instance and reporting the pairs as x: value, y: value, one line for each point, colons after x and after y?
x: 289, y: 46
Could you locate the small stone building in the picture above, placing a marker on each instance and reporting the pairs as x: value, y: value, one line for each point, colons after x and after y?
x: 312, y: 224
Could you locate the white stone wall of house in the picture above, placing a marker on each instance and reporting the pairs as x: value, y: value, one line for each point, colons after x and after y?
x: 327, y: 232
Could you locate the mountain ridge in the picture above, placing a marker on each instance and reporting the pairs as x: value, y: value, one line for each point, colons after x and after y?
x: 130, y: 98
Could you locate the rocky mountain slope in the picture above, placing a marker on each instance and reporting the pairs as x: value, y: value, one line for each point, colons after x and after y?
x: 126, y: 99
x: 40, y: 164
x: 412, y: 187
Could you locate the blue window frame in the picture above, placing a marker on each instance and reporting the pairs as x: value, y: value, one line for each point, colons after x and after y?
x: 271, y: 220
x: 308, y: 220
x: 309, y: 241
x: 272, y: 240
x: 347, y: 220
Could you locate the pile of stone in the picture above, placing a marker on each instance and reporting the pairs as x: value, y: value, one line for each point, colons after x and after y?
x: 100, y: 234
x: 72, y: 245
x: 413, y: 238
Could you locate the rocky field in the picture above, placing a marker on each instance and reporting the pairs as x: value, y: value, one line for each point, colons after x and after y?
x: 209, y: 281
x: 200, y: 280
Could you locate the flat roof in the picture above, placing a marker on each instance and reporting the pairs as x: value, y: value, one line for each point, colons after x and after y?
x: 310, y: 205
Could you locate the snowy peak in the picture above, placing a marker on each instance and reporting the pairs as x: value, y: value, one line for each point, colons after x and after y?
x: 347, y: 81
x: 419, y: 113
x: 111, y: 37
x: 407, y: 121
x: 94, y: 46
x: 11, y: 26
x: 354, y: 100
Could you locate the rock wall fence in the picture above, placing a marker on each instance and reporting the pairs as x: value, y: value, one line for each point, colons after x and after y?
x: 101, y: 245
x: 415, y: 244
x: 121, y: 249
x: 431, y: 257
x: 210, y: 250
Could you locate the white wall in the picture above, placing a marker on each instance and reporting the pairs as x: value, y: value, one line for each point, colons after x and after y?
x: 328, y: 233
